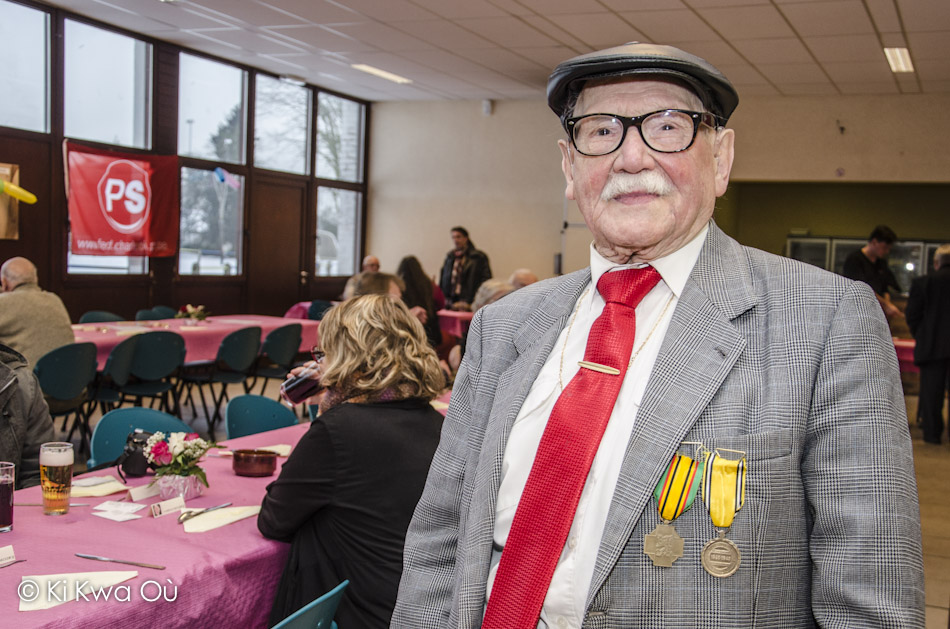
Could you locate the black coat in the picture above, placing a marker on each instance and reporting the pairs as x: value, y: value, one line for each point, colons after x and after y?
x: 928, y: 315
x: 475, y: 270
x: 344, y: 499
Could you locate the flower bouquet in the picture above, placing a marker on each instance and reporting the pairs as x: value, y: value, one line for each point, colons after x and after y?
x: 176, y: 462
x: 192, y: 312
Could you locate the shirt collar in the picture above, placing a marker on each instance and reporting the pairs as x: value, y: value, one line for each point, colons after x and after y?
x: 673, y: 268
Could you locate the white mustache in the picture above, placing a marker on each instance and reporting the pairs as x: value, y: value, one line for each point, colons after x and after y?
x: 648, y: 181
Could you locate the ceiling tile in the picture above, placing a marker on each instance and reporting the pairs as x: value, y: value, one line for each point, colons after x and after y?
x: 846, y: 48
x: 884, y: 15
x: 249, y: 40
x: 718, y: 53
x: 664, y: 26
x: 893, y: 40
x: 387, y: 11
x: 254, y: 13
x: 929, y: 45
x: 924, y: 15
x: 550, y: 7
x: 382, y: 36
x: 765, y: 89
x: 786, y: 73
x: 643, y: 5
x: 455, y: 9
x: 932, y: 69
x: 780, y: 50
x: 548, y: 56
x: 323, y: 39
x: 555, y: 32
x: 808, y: 89
x: 316, y: 11
x: 443, y: 34
x: 704, y: 4
x: 743, y: 74
x: 500, y: 59
x: 599, y: 30
x: 755, y: 22
x: 506, y: 31
x: 868, y: 88
x: 512, y: 7
x: 870, y: 72
x: 936, y: 87
x: 810, y: 19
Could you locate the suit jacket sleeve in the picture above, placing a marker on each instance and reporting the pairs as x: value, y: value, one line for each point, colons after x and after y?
x: 914, y: 313
x: 429, y: 579
x: 39, y: 429
x: 858, y: 472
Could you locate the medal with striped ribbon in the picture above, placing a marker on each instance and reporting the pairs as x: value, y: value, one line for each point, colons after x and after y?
x: 674, y: 495
x: 724, y: 493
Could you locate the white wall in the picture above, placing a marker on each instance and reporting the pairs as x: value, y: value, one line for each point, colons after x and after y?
x: 438, y: 164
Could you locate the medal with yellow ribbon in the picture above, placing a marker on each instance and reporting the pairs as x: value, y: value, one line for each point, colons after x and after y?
x: 724, y: 493
x: 674, y: 495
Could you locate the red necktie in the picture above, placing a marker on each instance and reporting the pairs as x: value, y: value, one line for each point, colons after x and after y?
x: 565, y: 453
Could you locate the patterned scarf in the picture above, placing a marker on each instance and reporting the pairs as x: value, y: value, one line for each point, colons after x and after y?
x: 334, y: 396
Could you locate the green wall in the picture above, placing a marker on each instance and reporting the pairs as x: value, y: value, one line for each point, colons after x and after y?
x: 763, y: 214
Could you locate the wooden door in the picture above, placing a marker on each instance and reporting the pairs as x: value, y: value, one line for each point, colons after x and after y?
x: 277, y: 221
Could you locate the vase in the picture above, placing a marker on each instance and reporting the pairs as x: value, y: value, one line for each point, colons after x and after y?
x: 187, y: 487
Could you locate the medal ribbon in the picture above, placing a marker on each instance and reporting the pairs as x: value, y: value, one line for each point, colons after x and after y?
x: 723, y: 488
x: 677, y: 489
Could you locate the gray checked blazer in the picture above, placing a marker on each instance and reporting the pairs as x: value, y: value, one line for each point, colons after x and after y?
x: 789, y: 363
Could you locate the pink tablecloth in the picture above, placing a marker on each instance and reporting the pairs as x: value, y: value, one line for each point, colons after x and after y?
x: 201, y: 340
x: 226, y: 577
x: 905, y: 355
x: 455, y: 322
x: 298, y: 311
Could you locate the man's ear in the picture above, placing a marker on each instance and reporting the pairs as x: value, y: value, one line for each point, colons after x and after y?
x: 723, y: 152
x: 567, y: 167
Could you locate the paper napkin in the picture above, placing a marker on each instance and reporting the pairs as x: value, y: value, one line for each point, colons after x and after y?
x: 96, y: 486
x: 43, y: 591
x: 218, y: 518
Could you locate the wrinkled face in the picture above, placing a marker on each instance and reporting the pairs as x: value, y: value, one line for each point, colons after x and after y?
x: 459, y: 240
x: 639, y: 204
x: 371, y: 263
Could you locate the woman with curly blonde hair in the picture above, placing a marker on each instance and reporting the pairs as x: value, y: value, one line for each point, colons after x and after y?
x: 346, y: 494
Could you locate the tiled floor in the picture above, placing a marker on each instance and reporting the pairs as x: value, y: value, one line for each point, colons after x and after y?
x: 933, y: 474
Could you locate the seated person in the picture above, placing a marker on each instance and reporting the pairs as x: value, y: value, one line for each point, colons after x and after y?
x: 489, y: 292
x: 418, y: 293
x: 522, y: 277
x: 346, y: 494
x: 24, y: 418
x: 370, y: 265
x: 32, y: 321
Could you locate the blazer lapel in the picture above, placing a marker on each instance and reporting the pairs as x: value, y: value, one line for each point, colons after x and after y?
x: 697, y: 354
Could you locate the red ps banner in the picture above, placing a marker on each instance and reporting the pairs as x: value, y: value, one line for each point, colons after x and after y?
x: 122, y: 204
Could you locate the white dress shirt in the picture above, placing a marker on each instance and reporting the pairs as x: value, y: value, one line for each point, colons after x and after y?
x: 565, y: 604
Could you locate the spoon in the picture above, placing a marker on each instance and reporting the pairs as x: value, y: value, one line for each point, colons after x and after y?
x: 184, y: 517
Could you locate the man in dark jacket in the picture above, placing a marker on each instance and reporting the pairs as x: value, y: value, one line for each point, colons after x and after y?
x: 25, y: 423
x: 464, y: 270
x: 928, y: 315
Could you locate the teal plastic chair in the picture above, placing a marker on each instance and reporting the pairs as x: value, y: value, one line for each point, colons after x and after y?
x: 114, y: 376
x: 99, y: 316
x: 277, y: 355
x: 316, y: 614
x: 111, y: 432
x: 164, y: 312
x: 157, y: 360
x: 236, y: 357
x: 146, y: 314
x: 251, y: 414
x: 66, y: 375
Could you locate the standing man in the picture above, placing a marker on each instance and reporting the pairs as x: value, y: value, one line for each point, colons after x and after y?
x: 869, y: 265
x: 590, y: 408
x: 928, y: 316
x: 32, y: 321
x: 464, y: 270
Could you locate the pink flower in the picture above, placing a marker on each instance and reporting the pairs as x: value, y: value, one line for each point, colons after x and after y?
x: 191, y: 436
x: 161, y: 453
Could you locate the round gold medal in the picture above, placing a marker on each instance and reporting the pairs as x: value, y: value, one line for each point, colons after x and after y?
x: 721, y: 557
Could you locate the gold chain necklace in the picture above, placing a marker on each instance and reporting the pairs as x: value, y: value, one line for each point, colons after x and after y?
x: 633, y: 357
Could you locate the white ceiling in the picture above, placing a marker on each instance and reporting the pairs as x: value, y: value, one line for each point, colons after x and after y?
x: 505, y: 49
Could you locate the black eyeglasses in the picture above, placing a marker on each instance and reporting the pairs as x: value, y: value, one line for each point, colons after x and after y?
x: 317, y: 353
x: 665, y: 131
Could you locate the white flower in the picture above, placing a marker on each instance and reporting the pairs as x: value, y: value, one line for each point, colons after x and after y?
x: 176, y: 442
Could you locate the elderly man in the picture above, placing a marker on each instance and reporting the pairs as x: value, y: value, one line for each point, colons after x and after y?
x: 680, y: 370
x: 928, y: 315
x: 32, y: 321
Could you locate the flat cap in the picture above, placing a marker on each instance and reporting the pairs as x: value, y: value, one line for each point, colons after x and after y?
x: 712, y: 87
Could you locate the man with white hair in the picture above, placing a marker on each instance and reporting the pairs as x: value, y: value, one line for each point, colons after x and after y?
x: 681, y: 369
x: 32, y: 321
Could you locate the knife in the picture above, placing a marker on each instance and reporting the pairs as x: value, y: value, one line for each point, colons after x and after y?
x: 184, y: 517
x: 131, y: 563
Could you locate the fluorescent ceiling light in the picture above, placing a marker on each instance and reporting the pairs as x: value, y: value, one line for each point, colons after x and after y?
x: 899, y: 59
x: 389, y: 76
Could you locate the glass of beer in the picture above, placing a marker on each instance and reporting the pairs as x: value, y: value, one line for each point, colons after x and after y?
x: 56, y: 476
x: 7, y: 471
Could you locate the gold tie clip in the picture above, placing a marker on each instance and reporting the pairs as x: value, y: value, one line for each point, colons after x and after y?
x: 597, y: 367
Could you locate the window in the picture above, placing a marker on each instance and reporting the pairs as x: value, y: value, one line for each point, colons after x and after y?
x: 24, y: 48
x: 105, y: 265
x: 212, y: 221
x: 107, y: 86
x: 212, y: 110
x: 339, y: 138
x: 281, y: 126
x: 338, y: 212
